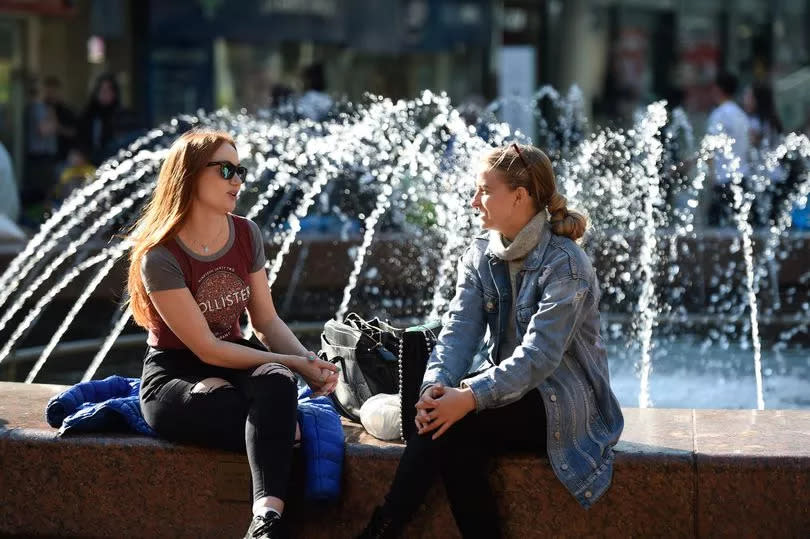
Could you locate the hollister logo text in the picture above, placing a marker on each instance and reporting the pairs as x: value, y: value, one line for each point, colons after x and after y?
x: 222, y: 296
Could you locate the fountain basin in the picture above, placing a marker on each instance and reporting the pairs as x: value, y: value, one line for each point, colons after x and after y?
x: 686, y: 373
x: 678, y: 473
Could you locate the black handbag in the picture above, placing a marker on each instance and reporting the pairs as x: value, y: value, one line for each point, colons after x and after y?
x: 375, y: 357
x: 366, y: 354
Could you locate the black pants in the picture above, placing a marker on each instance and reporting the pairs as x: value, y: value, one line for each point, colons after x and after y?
x: 255, y: 413
x: 461, y: 455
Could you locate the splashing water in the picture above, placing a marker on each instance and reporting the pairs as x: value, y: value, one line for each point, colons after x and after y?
x: 650, y: 125
x: 402, y: 172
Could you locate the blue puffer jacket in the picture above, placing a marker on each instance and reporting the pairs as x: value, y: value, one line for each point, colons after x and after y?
x: 99, y: 406
x: 112, y: 405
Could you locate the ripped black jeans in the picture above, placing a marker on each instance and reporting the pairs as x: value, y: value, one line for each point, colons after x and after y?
x: 253, y: 410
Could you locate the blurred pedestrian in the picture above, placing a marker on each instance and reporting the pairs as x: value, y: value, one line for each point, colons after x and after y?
x: 41, y: 148
x: 767, y: 134
x: 66, y: 120
x: 729, y: 119
x: 100, y: 122
x: 764, y: 122
x: 281, y: 103
x: 315, y: 103
x: 281, y: 96
x: 676, y: 145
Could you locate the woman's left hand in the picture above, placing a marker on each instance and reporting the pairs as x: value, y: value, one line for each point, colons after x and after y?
x: 445, y: 410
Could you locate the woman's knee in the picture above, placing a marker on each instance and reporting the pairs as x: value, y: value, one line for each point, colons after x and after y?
x: 274, y: 371
x: 276, y: 375
x: 455, y: 439
x: 268, y: 369
x: 209, y: 385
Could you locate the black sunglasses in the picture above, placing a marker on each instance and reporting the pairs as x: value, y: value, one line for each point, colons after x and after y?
x: 227, y: 169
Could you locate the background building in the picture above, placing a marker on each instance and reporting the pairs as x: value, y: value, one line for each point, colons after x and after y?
x: 236, y: 53
x: 626, y: 53
x: 179, y: 56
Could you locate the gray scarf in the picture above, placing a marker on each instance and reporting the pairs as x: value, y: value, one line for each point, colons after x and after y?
x: 526, y: 240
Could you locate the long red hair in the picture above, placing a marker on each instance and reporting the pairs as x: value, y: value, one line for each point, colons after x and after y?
x: 166, y: 212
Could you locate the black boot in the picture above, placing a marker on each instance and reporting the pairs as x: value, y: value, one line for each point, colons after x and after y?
x: 381, y: 526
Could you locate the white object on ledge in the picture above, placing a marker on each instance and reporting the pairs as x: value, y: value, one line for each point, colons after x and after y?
x: 380, y: 416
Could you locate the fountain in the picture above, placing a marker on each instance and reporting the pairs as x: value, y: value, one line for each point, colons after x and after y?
x: 369, y: 211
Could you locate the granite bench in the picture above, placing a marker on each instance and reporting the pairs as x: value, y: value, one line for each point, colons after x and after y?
x: 678, y: 473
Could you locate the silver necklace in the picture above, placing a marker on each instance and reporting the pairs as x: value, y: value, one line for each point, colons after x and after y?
x: 205, y: 246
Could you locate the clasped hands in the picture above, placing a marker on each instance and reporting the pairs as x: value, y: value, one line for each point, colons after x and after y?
x: 321, y: 376
x: 440, y: 407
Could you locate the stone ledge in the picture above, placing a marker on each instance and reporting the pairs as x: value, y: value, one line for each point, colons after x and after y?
x: 678, y: 473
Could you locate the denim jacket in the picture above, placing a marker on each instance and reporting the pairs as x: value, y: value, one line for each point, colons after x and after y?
x: 560, y: 353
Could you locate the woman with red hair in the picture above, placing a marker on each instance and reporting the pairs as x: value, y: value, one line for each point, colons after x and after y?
x: 194, y: 270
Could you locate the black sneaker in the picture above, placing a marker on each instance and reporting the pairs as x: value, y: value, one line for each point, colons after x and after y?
x: 268, y: 526
x: 381, y: 526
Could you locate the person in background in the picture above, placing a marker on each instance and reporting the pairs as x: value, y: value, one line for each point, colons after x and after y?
x: 765, y: 126
x: 675, y: 147
x: 767, y: 133
x: 727, y: 118
x: 281, y: 103
x: 281, y: 96
x: 41, y: 150
x: 66, y: 128
x: 99, y: 123
x: 315, y: 103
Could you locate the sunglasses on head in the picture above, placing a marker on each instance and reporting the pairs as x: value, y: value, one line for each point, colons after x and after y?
x: 228, y: 169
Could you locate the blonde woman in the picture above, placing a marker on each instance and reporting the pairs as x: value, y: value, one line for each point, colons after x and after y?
x: 547, y: 388
x: 194, y: 269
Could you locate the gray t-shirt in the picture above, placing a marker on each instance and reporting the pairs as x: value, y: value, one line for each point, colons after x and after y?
x: 160, y: 270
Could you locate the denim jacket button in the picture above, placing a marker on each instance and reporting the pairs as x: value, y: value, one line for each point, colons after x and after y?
x: 557, y: 435
x: 553, y: 398
x: 588, y: 494
x: 490, y: 306
x: 565, y: 467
